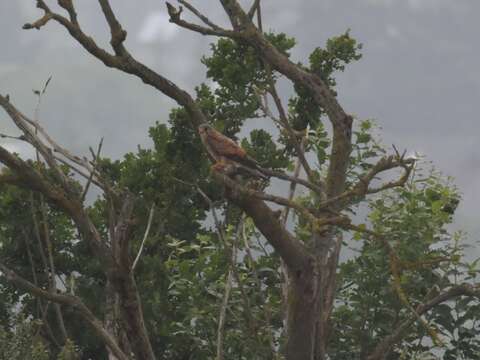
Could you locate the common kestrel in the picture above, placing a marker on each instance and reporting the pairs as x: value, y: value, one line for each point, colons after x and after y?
x: 227, y: 152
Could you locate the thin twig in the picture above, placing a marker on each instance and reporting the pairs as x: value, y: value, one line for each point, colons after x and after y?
x: 211, y: 30
x: 222, y: 315
x: 145, y: 236
x: 286, y: 124
x: 32, y: 268
x: 394, y: 268
x: 294, y: 179
x: 94, y: 169
x: 293, y: 184
x: 202, y: 17
x: 5, y: 136
x: 80, y: 172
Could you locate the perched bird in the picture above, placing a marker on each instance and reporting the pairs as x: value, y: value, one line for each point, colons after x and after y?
x: 227, y: 153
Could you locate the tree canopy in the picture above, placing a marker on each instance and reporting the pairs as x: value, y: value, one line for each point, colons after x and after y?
x: 177, y: 260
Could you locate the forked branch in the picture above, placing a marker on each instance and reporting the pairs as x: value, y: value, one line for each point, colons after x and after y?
x: 72, y: 301
x: 386, y: 344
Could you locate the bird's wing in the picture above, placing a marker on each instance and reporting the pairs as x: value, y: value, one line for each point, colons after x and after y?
x: 225, y: 146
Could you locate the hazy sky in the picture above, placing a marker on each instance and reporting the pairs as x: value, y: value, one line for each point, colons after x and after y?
x: 419, y: 76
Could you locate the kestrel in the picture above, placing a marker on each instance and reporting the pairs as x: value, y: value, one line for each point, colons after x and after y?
x: 227, y: 152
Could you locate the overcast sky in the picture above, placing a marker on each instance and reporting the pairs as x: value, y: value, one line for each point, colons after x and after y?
x: 419, y: 76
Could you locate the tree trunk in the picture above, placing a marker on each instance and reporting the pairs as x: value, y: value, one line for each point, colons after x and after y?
x: 327, y: 250
x: 132, y: 317
x: 310, y: 300
x: 112, y: 322
x: 302, y: 313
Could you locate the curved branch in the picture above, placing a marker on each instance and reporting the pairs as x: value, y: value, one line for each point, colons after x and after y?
x: 74, y: 302
x: 361, y: 188
x: 197, y: 13
x: 212, y: 29
x: 461, y: 290
x: 290, y: 249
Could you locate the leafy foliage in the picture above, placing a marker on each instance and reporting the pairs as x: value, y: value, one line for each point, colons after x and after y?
x: 415, y: 219
x: 338, y: 52
x: 186, y: 265
x: 240, y: 75
x: 23, y: 340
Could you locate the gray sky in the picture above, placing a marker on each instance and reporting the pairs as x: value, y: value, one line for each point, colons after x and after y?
x: 419, y: 77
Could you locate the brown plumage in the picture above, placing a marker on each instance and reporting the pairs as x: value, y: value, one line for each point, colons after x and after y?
x: 224, y: 151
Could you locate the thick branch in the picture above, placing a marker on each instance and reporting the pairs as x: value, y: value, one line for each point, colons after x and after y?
x: 237, y: 16
x: 249, y: 192
x: 117, y: 34
x: 290, y: 249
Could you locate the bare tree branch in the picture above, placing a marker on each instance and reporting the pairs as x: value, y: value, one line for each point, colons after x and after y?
x: 361, y: 188
x: 223, y: 315
x: 94, y: 169
x: 128, y: 64
x: 255, y: 7
x: 68, y: 5
x: 145, y: 236
x: 294, y: 179
x: 385, y: 345
x: 51, y: 265
x: 65, y: 196
x: 291, y: 134
x: 211, y: 30
x: 39, y: 23
x: 32, y: 268
x: 288, y: 247
x: 117, y: 34
x: 275, y: 231
x: 249, y: 192
x: 202, y: 17
x: 68, y: 300
x: 18, y: 119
